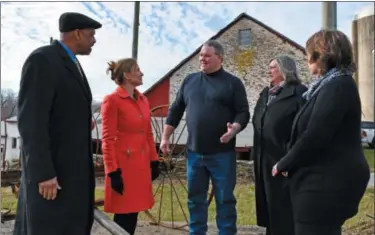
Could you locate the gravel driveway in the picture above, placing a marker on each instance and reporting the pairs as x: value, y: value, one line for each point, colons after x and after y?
x: 371, y: 182
x: 146, y: 229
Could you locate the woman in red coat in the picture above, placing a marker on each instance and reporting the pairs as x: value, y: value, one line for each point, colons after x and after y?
x: 130, y: 158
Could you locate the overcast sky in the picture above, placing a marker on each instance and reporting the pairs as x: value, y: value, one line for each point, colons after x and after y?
x: 169, y: 31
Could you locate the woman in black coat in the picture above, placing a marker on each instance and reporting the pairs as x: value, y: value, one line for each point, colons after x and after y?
x: 325, y: 163
x: 272, y: 123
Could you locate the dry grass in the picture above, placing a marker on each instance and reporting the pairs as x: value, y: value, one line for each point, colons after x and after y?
x: 360, y: 224
x: 8, y: 200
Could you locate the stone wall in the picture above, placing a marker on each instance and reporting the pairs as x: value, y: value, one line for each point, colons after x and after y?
x: 265, y: 45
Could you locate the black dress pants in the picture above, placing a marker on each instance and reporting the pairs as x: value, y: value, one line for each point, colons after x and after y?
x: 317, y: 229
x: 127, y: 221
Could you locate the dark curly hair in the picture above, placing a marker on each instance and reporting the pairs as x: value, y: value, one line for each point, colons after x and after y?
x: 330, y: 49
x: 117, y: 69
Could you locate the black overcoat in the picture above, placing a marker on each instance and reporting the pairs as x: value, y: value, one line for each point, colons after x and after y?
x: 327, y: 168
x: 272, y: 126
x: 54, y: 122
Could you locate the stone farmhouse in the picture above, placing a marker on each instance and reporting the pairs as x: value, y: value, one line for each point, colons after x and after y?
x: 249, y: 46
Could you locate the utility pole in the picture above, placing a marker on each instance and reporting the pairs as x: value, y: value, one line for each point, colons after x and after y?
x: 329, y: 15
x: 135, y: 30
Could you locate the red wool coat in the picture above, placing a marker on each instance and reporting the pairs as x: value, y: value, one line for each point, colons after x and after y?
x: 127, y: 143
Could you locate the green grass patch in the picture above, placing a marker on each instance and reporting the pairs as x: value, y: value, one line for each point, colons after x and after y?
x: 370, y: 157
x: 174, y: 208
x: 361, y: 224
x: 8, y: 200
x: 245, y: 194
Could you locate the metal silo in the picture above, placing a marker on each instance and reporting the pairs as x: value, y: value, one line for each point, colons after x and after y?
x: 363, y: 47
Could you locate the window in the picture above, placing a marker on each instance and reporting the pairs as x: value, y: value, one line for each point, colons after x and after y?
x: 14, y: 143
x: 244, y: 38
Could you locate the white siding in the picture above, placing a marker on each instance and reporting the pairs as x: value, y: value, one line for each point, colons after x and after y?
x: 12, y: 152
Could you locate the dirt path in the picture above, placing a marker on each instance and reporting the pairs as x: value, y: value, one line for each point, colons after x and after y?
x: 147, y: 229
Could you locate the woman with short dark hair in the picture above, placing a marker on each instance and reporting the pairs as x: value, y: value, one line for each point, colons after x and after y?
x: 273, y: 117
x: 326, y: 166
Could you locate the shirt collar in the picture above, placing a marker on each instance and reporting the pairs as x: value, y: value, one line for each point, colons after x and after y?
x: 275, y: 90
x: 70, y: 53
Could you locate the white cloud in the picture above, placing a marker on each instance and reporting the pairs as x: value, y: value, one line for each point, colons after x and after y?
x: 26, y: 26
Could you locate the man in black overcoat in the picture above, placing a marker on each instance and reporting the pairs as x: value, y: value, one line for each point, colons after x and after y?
x: 57, y: 185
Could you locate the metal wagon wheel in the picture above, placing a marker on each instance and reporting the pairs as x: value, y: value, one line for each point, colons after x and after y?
x: 170, y: 189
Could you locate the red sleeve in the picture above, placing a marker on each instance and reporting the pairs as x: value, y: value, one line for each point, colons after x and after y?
x: 150, y: 138
x: 109, y: 125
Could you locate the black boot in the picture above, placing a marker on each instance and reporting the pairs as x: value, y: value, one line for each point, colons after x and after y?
x: 127, y: 221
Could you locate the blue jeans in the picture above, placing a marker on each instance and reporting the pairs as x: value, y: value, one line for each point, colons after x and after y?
x: 221, y: 168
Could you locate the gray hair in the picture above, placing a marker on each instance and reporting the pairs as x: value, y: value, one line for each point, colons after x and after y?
x: 288, y: 69
x: 219, y: 50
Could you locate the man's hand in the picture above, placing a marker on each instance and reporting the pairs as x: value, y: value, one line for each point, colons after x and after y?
x: 231, y: 132
x: 48, y: 189
x: 92, y: 125
x: 164, y: 146
x: 275, y: 171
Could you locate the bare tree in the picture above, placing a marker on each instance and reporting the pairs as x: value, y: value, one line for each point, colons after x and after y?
x: 8, y: 103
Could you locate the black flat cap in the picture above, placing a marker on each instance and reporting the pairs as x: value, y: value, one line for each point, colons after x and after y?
x: 70, y: 21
